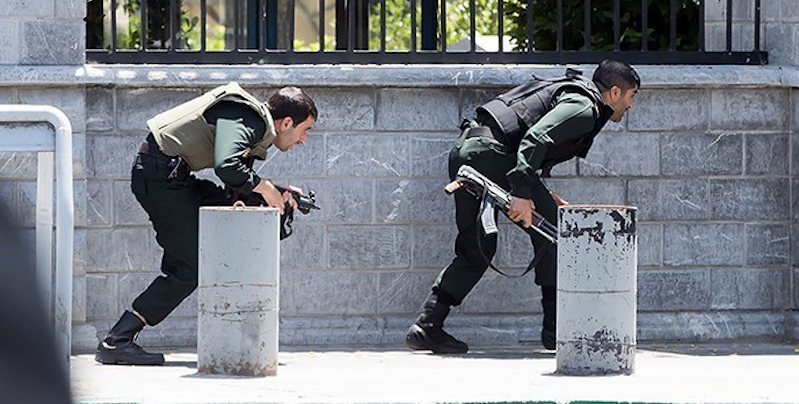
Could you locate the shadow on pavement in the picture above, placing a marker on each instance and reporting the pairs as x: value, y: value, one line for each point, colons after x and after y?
x: 724, y: 349
x: 185, y: 364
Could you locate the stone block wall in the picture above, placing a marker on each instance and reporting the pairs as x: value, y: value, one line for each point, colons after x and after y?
x: 42, y: 32
x: 708, y: 154
x: 710, y: 169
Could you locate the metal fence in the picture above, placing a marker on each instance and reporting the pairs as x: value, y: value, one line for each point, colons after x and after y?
x: 259, y: 34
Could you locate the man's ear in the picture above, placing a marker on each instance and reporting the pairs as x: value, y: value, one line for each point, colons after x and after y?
x: 285, y: 123
x: 615, y: 93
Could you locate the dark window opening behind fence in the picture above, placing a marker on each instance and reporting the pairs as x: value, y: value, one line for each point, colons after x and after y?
x: 423, y: 31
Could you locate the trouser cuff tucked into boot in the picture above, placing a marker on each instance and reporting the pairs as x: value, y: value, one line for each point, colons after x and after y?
x: 427, y: 332
x: 119, y: 348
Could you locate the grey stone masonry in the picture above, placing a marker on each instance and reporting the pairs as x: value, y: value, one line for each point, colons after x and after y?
x: 42, y: 32
x: 48, y: 34
x: 707, y: 154
x: 708, y: 168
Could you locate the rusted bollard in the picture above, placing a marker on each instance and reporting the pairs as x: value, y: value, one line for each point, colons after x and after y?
x: 596, y: 308
x: 237, y: 327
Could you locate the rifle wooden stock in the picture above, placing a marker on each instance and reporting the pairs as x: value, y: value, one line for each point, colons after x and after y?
x: 479, y: 186
x: 452, y: 187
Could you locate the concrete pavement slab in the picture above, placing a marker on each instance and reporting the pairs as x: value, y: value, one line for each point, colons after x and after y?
x: 724, y: 373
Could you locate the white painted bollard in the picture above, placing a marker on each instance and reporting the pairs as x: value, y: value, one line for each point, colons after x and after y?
x: 237, y: 328
x: 596, y: 308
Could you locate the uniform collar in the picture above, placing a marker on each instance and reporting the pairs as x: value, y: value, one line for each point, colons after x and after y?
x: 605, y: 111
x: 270, y: 133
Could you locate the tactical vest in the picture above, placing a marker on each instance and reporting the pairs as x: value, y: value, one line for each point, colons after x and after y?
x: 183, y: 130
x: 515, y: 111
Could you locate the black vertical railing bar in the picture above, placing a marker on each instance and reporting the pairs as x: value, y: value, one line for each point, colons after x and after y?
x: 413, y: 26
x: 143, y: 28
x: 260, y: 23
x: 673, y: 25
x: 501, y: 25
x: 262, y: 36
x: 322, y: 26
x: 530, y: 44
x: 429, y: 24
x: 443, y: 26
x: 382, y: 26
x: 559, y: 45
x: 729, y: 25
x: 97, y: 17
x: 251, y: 27
x: 292, y: 11
x: 673, y: 11
x: 587, y: 23
x: 701, y: 25
x: 341, y: 24
x: 113, y: 26
x: 472, y: 27
x: 173, y: 35
x: 203, y: 22
x: 757, y: 25
x: 616, y: 25
x: 271, y: 24
x: 351, y: 25
x: 363, y: 25
x: 644, y: 25
x: 236, y: 25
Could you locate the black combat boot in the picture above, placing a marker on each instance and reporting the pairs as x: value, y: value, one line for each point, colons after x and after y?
x: 427, y: 333
x: 118, y: 347
x: 548, y: 302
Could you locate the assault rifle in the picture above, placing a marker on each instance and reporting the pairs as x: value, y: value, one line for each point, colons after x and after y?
x: 493, y: 196
x: 305, y: 203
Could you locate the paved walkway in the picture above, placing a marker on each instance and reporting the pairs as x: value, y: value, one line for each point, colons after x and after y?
x: 739, y: 373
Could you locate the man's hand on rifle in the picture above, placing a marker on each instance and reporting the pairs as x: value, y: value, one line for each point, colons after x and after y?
x: 289, y: 199
x: 287, y: 193
x: 273, y: 197
x: 521, y: 211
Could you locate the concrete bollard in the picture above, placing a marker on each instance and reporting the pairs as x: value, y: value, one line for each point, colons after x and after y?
x: 596, y: 308
x: 237, y: 327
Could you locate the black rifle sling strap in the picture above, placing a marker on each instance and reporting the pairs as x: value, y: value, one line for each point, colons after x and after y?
x: 539, y: 253
x: 285, y: 222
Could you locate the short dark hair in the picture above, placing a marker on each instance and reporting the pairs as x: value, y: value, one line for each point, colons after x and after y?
x: 611, y: 73
x: 291, y: 102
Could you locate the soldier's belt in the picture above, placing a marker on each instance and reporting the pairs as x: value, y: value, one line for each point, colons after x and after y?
x: 150, y: 148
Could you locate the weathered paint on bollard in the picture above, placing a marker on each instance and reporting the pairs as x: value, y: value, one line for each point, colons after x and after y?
x: 596, y: 308
x: 237, y: 329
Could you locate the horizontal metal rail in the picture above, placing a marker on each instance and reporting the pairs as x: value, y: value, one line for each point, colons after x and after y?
x: 284, y: 57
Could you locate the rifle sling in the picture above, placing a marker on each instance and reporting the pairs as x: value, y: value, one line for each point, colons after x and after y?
x: 539, y: 253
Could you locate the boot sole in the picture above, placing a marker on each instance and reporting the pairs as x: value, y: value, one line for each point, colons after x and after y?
x: 106, y: 359
x: 127, y: 363
x: 418, y: 340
